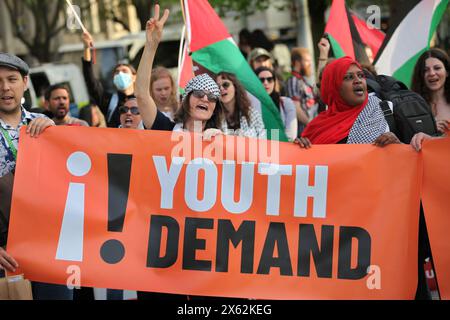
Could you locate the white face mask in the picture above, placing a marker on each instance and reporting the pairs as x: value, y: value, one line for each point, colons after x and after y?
x: 122, y: 81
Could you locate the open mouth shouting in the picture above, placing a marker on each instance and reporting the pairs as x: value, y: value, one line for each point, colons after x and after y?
x: 202, y: 107
x: 359, y: 91
x: 128, y: 121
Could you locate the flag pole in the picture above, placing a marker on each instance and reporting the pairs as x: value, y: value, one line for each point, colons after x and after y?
x: 78, y: 19
x: 181, y: 58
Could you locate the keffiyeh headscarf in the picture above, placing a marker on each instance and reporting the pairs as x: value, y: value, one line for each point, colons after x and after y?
x: 202, y: 82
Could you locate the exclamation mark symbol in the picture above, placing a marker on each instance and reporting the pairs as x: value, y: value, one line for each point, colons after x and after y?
x: 119, y: 171
x: 70, y: 242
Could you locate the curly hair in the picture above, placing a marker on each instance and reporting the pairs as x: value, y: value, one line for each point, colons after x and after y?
x: 418, y: 79
x: 242, y: 102
x: 183, y: 114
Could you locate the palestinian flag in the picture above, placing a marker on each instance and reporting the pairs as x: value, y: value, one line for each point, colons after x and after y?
x: 343, y: 34
x: 213, y: 48
x: 408, y: 37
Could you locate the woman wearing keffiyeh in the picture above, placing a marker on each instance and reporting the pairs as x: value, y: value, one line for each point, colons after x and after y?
x: 353, y: 116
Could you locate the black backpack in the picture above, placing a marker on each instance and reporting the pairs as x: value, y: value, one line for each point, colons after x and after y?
x: 411, y: 115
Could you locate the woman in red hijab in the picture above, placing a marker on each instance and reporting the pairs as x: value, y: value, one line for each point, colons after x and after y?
x: 353, y: 116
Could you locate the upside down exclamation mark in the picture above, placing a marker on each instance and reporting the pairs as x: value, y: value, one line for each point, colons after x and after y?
x: 70, y: 242
x: 119, y: 171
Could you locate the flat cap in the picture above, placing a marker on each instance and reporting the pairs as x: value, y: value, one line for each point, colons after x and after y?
x: 14, y: 62
x: 258, y: 52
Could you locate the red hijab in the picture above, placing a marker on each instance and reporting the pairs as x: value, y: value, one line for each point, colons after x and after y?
x: 333, y: 125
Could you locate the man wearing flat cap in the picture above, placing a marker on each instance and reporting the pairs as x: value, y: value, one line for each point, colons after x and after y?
x: 13, y: 84
x: 260, y: 57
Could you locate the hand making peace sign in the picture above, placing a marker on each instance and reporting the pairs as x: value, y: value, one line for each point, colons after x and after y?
x: 155, y: 26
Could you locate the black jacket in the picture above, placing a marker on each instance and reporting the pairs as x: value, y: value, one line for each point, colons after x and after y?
x: 100, y: 96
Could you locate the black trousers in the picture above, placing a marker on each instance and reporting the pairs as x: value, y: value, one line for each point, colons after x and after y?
x: 422, y: 292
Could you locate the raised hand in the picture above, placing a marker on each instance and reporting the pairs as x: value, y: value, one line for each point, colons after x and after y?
x: 324, y: 47
x: 155, y: 25
x: 88, y: 41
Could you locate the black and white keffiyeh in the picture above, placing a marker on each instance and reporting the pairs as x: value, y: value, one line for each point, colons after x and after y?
x: 202, y: 82
x: 253, y: 129
x: 370, y: 123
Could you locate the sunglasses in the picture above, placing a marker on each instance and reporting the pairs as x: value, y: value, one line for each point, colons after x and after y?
x: 225, y: 84
x: 133, y: 110
x: 200, y: 94
x: 268, y: 79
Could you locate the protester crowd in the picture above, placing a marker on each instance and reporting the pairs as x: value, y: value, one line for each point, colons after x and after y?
x: 341, y: 108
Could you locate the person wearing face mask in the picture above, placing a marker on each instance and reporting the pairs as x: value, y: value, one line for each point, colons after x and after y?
x: 124, y: 77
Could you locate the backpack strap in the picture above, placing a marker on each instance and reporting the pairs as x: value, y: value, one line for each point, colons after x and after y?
x: 374, y: 86
x: 388, y: 83
x: 388, y: 113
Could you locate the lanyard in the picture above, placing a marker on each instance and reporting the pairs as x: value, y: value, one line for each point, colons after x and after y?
x: 12, y: 148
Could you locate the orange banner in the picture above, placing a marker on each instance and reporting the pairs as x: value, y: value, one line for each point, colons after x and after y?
x: 235, y: 217
x: 436, y: 204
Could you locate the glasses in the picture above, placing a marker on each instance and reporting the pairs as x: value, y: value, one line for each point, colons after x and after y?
x: 268, y: 79
x: 200, y: 94
x: 225, y: 84
x: 133, y: 110
x: 352, y: 76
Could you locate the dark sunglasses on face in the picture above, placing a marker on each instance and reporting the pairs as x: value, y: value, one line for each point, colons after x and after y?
x: 268, y: 79
x: 200, y: 94
x: 352, y: 76
x: 225, y: 84
x: 133, y: 110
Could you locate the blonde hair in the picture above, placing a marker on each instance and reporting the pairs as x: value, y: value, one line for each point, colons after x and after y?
x: 101, y: 117
x: 160, y: 73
